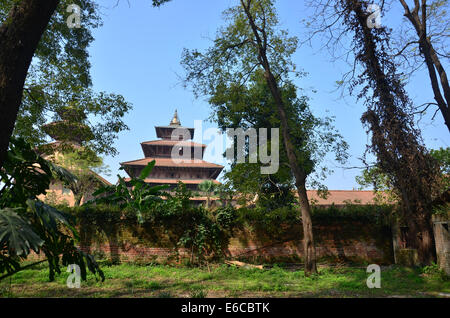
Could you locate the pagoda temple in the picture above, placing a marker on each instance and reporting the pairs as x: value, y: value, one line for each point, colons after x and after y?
x: 192, y: 170
x: 70, y: 132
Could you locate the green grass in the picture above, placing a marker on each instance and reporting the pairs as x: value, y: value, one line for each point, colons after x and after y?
x: 128, y: 280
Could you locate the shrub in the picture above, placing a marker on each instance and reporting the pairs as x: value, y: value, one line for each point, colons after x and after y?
x: 174, y: 222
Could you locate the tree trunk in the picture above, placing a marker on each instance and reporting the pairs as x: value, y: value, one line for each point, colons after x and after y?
x: 78, y: 199
x: 417, y: 202
x: 431, y: 59
x: 309, y: 249
x: 19, y: 37
x: 297, y: 171
x: 426, y: 249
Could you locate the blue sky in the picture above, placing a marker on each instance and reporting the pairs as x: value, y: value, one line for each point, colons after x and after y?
x: 137, y: 53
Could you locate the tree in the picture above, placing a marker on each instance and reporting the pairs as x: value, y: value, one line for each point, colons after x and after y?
x: 21, y: 32
x: 430, y: 23
x: 28, y: 224
x: 380, y: 182
x: 85, y: 165
x: 397, y: 144
x: 72, y: 150
x: 207, y: 187
x: 59, y: 76
x: 252, y: 106
x: 442, y: 156
x: 252, y: 42
x: 385, y: 191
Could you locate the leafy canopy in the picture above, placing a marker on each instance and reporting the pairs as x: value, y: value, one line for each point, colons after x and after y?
x: 230, y: 73
x: 59, y: 76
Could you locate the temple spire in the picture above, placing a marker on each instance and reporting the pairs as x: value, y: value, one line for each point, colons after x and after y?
x: 175, y: 121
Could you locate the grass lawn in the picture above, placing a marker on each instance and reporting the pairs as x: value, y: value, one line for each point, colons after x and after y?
x: 129, y: 280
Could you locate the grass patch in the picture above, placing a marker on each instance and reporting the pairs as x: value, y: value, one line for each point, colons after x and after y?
x: 132, y: 280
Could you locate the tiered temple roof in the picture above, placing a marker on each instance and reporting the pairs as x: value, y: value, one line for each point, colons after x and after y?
x: 192, y: 170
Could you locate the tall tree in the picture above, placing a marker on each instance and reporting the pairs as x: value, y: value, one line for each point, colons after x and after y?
x: 249, y: 43
x: 425, y: 18
x: 397, y: 144
x: 21, y: 31
x: 252, y: 106
x: 207, y: 187
x: 59, y: 75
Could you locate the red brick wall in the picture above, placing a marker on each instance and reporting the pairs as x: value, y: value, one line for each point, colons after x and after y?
x: 348, y: 242
x: 334, y: 242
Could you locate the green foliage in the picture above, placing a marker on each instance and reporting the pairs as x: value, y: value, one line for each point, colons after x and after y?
x: 274, y: 220
x: 233, y: 56
x: 374, y: 177
x: 202, y: 232
x: 135, y: 194
x: 198, y: 293
x: 16, y: 235
x: 434, y: 270
x: 85, y: 165
x: 208, y: 187
x: 176, y: 223
x: 173, y: 222
x: 442, y: 156
x: 371, y: 214
x: 443, y: 209
x: 230, y: 281
x: 224, y: 192
x: 231, y: 74
x: 25, y: 174
x: 99, y: 216
x: 226, y: 217
x: 270, y: 223
x: 59, y: 75
x: 28, y: 224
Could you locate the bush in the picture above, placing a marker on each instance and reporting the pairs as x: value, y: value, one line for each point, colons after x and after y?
x: 276, y: 221
x: 174, y: 222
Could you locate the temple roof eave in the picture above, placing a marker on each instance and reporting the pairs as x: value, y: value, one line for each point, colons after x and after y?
x: 162, y: 142
x: 164, y: 162
x: 174, y: 181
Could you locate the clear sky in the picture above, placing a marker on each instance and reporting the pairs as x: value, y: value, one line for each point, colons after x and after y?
x: 137, y: 53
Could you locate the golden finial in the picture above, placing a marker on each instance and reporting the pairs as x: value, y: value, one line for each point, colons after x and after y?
x: 175, y: 121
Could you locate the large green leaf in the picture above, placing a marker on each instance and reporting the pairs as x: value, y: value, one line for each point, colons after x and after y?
x: 156, y: 189
x: 146, y: 171
x: 104, y: 189
x: 17, y: 234
x: 135, y: 193
x: 206, y: 186
x: 50, y: 217
x: 62, y: 173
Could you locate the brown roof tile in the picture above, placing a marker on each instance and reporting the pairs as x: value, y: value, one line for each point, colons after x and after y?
x: 173, y: 143
x: 174, y: 181
x: 341, y: 197
x: 168, y: 162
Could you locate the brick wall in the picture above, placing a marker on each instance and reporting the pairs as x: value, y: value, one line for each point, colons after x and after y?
x: 338, y: 242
